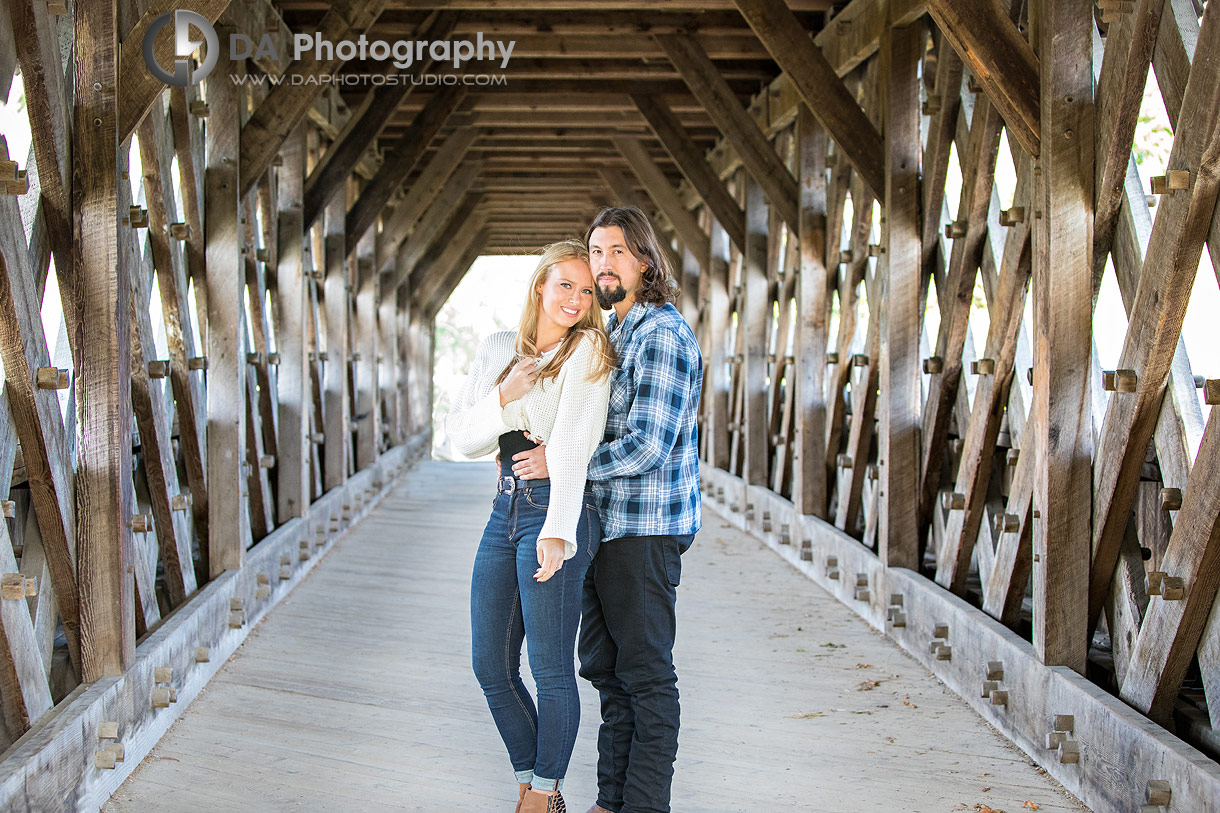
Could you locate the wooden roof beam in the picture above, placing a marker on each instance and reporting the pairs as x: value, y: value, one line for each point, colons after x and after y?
x: 423, y: 192
x: 666, y: 197
x: 286, y: 104
x: 401, y: 159
x: 819, y: 87
x: 738, y: 127
x: 456, y: 273
x: 567, y: 5
x: 694, y: 167
x: 428, y: 276
x: 341, y: 158
x: 456, y: 196
x: 1000, y: 59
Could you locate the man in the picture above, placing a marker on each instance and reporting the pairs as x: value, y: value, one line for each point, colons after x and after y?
x: 646, y: 476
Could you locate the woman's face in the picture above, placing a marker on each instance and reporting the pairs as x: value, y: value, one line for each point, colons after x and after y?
x: 567, y: 292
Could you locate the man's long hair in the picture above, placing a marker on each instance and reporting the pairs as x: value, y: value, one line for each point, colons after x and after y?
x: 592, y: 325
x: 657, y: 284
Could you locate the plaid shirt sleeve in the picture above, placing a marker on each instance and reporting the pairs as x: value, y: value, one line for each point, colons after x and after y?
x: 662, y: 376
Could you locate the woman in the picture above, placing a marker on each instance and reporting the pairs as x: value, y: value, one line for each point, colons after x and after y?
x: 550, y: 379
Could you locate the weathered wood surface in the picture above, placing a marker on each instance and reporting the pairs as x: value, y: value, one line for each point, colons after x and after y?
x: 280, y: 726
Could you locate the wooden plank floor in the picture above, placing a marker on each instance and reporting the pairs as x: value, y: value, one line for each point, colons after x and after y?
x: 356, y: 692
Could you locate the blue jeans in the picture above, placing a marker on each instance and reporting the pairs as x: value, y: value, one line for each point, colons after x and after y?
x: 507, y: 606
x: 626, y: 652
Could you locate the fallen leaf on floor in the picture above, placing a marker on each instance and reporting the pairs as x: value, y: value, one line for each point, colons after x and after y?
x: 986, y: 790
x: 831, y: 645
x: 868, y: 685
x: 864, y: 666
x: 979, y: 807
x: 1030, y: 805
x: 806, y: 715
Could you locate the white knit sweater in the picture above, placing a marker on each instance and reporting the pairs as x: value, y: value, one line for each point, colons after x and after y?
x: 568, y: 413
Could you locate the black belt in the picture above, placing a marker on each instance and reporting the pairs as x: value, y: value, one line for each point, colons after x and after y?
x: 509, y: 484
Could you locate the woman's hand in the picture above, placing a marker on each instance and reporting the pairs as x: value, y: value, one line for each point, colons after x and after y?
x: 550, y: 558
x: 520, y: 379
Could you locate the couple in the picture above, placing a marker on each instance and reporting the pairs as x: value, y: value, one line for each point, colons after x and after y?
x: 591, y: 520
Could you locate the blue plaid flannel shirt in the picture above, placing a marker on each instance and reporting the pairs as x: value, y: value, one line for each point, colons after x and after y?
x: 645, y: 473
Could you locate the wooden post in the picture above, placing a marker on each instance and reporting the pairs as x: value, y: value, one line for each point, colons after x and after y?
x: 717, y: 316
x: 292, y: 381
x: 368, y: 412
x: 228, y: 519
x: 405, y: 362
x: 103, y: 355
x: 1062, y: 318
x: 809, y: 492
x: 387, y: 362
x: 898, y: 537
x: 336, y: 408
x: 688, y: 300
x: 756, y: 315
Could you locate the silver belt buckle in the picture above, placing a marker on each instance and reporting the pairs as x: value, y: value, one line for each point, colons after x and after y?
x: 508, y: 484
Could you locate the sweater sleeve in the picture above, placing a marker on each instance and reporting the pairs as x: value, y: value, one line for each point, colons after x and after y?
x: 475, y: 423
x: 580, y: 422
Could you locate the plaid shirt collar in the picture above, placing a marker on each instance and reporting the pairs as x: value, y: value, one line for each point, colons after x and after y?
x: 621, y: 333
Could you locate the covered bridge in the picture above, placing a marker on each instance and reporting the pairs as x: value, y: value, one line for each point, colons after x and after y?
x: 894, y: 221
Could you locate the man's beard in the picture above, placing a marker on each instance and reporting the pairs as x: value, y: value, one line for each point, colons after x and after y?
x: 607, y: 299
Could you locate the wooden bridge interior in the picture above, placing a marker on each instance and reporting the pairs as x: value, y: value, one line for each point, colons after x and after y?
x: 217, y: 306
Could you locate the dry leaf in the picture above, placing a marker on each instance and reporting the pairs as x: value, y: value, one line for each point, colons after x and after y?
x: 1030, y: 805
x: 806, y: 716
x: 868, y: 685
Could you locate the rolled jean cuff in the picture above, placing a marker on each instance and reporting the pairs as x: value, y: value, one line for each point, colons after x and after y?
x: 524, y: 777
x: 547, y: 784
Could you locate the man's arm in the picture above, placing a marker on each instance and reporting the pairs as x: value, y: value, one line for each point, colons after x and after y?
x: 662, y: 377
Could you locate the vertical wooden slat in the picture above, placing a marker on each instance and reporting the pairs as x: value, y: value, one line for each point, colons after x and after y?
x: 104, y: 500
x: 1062, y: 301
x: 898, y: 310
x: 335, y: 410
x: 292, y: 382
x: 809, y: 490
x: 387, y: 365
x: 228, y: 520
x: 717, y: 313
x: 368, y: 411
x: 756, y: 315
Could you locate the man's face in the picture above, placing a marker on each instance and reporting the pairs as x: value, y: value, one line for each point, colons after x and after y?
x: 615, y: 269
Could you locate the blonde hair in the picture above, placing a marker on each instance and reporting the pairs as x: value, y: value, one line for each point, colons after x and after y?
x: 592, y: 325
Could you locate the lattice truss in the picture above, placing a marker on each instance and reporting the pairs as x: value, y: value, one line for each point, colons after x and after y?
x: 306, y: 317
x: 795, y: 338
